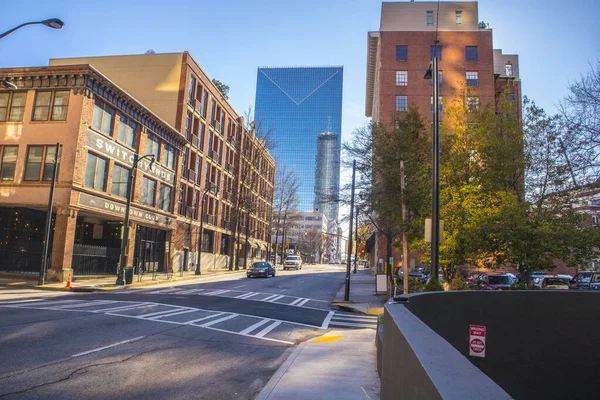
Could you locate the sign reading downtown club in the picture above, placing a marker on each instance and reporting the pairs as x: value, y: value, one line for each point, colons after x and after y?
x: 118, y: 152
x: 114, y: 207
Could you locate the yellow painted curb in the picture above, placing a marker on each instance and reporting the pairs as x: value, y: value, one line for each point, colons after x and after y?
x: 376, y: 311
x: 327, y: 339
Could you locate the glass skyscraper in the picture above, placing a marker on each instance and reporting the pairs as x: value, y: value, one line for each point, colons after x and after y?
x: 298, y: 104
x: 327, y: 174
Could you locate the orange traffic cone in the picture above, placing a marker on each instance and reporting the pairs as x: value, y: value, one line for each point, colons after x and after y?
x: 68, y: 281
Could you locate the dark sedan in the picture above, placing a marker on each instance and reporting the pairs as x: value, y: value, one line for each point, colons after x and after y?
x: 262, y: 268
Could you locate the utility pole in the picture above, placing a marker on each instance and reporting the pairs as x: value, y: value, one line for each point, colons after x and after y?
x: 44, y: 268
x: 435, y: 172
x: 404, y: 236
x: 348, y: 261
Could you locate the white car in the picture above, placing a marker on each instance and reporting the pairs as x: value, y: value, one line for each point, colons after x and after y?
x: 554, y: 283
x: 294, y: 262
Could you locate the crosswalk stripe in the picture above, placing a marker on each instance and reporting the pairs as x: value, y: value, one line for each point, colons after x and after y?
x: 123, y: 308
x: 356, y: 325
x: 253, y: 327
x: 327, y: 319
x: 244, y: 295
x: 218, y: 320
x: 174, y: 313
x: 276, y: 298
x: 270, y: 297
x: 203, y: 318
x: 86, y: 304
x: 216, y: 292
x: 158, y: 313
x: 303, y: 302
x: 268, y: 329
x: 298, y: 300
x: 189, y: 291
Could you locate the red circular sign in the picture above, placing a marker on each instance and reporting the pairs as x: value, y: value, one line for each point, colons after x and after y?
x: 477, y: 345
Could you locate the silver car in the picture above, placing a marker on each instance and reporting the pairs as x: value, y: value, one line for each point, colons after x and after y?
x: 292, y: 262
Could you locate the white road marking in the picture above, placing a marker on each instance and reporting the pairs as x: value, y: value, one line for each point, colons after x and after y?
x: 216, y: 293
x: 356, y: 325
x: 247, y: 295
x: 122, y: 308
x: 86, y: 304
x: 203, y: 318
x: 276, y: 298
x: 253, y: 327
x: 303, y: 302
x: 190, y: 291
x: 327, y: 319
x: 214, y: 322
x: 268, y: 329
x: 239, y: 286
x: 52, y: 303
x: 108, y: 347
x: 173, y: 314
x: 270, y: 297
x: 298, y: 300
x: 355, y: 318
x: 158, y: 313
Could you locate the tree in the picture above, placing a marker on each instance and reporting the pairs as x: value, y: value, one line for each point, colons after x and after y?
x: 287, y: 185
x: 312, y: 244
x: 378, y: 151
x: 223, y: 88
x: 580, y: 112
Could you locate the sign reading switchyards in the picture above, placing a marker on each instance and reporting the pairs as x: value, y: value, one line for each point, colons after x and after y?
x: 118, y: 152
x: 117, y: 208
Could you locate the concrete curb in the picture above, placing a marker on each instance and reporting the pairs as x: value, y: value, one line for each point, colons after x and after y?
x: 110, y: 287
x: 272, y: 383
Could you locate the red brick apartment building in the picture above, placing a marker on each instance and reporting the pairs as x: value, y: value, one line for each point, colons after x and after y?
x: 400, y: 52
x: 102, y: 110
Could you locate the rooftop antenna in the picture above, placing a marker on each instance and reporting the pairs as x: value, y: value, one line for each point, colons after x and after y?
x: 329, y: 123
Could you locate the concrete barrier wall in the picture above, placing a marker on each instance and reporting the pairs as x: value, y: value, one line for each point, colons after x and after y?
x: 539, y: 344
x: 417, y: 363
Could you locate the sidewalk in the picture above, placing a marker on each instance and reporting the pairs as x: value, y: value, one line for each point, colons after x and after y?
x: 342, y: 364
x: 83, y: 284
x: 338, y: 365
x: 362, y: 294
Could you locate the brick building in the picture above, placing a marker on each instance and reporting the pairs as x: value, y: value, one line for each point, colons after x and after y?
x: 100, y: 124
x: 410, y: 34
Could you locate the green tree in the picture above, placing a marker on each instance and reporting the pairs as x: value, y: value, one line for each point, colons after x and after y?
x: 223, y: 88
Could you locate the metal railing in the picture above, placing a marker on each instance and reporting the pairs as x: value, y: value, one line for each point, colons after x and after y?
x: 95, y: 260
x: 19, y: 260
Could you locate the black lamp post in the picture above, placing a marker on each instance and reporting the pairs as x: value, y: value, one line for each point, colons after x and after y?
x: 53, y: 23
x: 435, y: 170
x: 206, y: 190
x: 123, y: 260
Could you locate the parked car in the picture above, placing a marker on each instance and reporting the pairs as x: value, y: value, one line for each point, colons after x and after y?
x: 292, y: 262
x: 500, y: 281
x: 586, y: 280
x: 262, y: 268
x: 554, y: 283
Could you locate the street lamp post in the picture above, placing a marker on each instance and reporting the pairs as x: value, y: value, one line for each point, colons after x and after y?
x: 53, y: 23
x: 435, y: 170
x: 204, y: 193
x: 125, y: 240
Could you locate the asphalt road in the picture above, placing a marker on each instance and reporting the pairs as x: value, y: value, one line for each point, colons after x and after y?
x: 221, y: 339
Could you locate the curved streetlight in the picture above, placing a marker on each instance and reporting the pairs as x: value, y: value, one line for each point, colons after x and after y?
x: 125, y: 239
x: 53, y: 23
x: 215, y: 190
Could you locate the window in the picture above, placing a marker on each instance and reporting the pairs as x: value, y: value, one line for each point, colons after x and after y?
x: 8, y: 161
x: 471, y: 53
x: 472, y: 79
x: 188, y: 125
x: 164, y: 197
x: 191, y: 89
x: 201, y: 137
x: 152, y: 145
x: 401, y: 78
x: 440, y: 105
x: 435, y: 51
x: 458, y: 17
x: 184, y: 160
x: 103, y: 117
x: 204, y: 104
x: 148, y: 191
x: 401, y: 103
x: 167, y: 157
x: 429, y: 18
x: 95, y: 172
x: 57, y: 101
x: 120, y: 178
x: 12, y: 106
x: 401, y: 53
x: 440, y: 80
x: 40, y: 163
x: 126, y: 131
x: 473, y: 103
x: 509, y: 69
